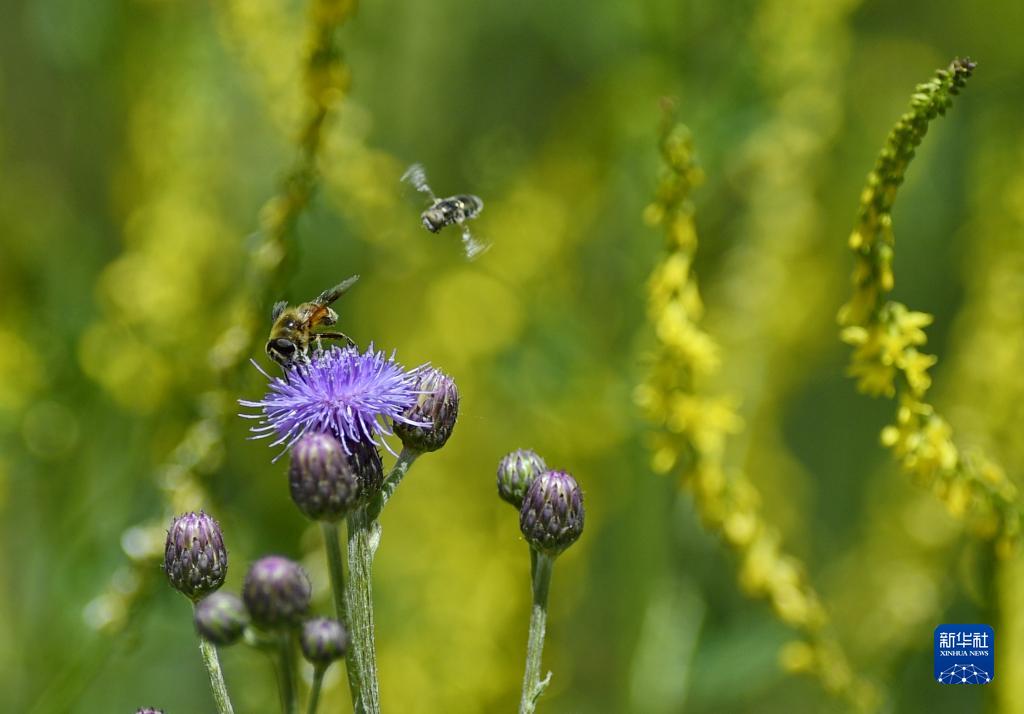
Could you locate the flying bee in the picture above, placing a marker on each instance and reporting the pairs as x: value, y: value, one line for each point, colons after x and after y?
x: 292, y: 329
x: 443, y: 212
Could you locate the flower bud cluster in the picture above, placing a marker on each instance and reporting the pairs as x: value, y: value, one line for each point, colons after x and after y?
x: 550, y: 502
x: 276, y: 593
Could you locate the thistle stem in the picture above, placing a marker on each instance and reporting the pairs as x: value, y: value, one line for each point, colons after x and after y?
x: 391, y: 481
x: 363, y: 538
x: 314, y: 693
x: 286, y: 665
x: 533, y: 685
x: 335, y: 565
x: 220, y: 690
x: 361, y: 546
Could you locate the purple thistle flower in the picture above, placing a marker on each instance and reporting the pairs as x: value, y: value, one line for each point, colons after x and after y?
x: 340, y: 391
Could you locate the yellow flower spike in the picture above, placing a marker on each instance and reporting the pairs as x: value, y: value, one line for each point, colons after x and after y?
x: 697, y: 426
x: 956, y: 497
x: 663, y: 460
x: 886, y: 336
x: 740, y: 527
x: 180, y: 476
x: 654, y: 213
x: 797, y: 656
x: 890, y: 436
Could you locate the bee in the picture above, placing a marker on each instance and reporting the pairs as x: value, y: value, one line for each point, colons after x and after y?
x: 443, y: 212
x: 292, y: 327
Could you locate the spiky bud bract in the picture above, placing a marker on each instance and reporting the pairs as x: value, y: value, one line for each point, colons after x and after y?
x: 429, y: 422
x: 276, y: 592
x: 324, y: 480
x: 516, y: 472
x: 551, y: 517
x: 323, y: 641
x: 221, y: 618
x: 195, y: 559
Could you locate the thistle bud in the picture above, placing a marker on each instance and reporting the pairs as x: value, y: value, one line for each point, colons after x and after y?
x: 276, y: 592
x: 148, y: 710
x: 369, y: 469
x: 437, y: 408
x: 551, y: 517
x: 516, y: 472
x: 323, y: 640
x: 221, y: 618
x: 324, y: 479
x: 195, y: 559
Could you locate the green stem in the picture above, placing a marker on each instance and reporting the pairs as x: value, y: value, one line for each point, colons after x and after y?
x: 391, y: 481
x: 314, y: 693
x: 334, y: 565
x: 361, y: 546
x: 533, y: 685
x: 363, y: 538
x: 286, y: 665
x: 220, y: 690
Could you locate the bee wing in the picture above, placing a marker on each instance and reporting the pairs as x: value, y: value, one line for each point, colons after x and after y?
x: 471, y: 245
x: 279, y: 307
x: 331, y: 294
x: 473, y: 204
x: 417, y: 178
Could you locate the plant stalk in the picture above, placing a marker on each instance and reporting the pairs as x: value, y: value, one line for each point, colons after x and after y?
x: 314, y: 693
x: 220, y: 689
x: 286, y: 665
x: 359, y: 599
x: 533, y: 685
x: 335, y: 566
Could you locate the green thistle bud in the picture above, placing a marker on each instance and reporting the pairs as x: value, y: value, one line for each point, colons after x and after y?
x: 195, y: 559
x: 516, y: 472
x: 323, y: 640
x: 324, y: 480
x: 551, y: 517
x: 221, y: 618
x: 276, y: 592
x: 426, y: 425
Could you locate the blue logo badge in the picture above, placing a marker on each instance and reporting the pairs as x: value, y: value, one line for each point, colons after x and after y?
x: 964, y: 654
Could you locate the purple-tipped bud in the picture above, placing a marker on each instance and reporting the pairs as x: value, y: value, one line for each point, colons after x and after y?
x: 195, y: 559
x: 221, y: 618
x: 276, y: 592
x: 516, y: 472
x: 437, y: 407
x: 551, y: 517
x: 323, y: 640
x: 148, y: 710
x: 324, y: 480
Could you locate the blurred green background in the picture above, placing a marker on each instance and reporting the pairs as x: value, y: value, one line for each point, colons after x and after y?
x: 138, y: 142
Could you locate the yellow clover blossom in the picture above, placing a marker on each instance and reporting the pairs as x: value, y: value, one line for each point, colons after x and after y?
x: 886, y: 336
x: 693, y: 428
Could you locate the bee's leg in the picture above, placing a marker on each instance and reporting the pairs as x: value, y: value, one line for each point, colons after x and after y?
x: 336, y: 336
